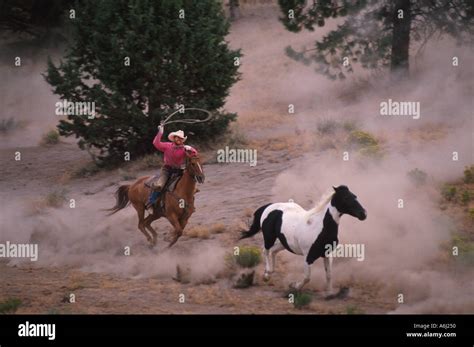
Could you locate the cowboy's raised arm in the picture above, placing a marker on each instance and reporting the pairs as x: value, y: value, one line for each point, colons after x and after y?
x: 161, y: 146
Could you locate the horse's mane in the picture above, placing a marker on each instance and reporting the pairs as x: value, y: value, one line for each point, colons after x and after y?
x: 323, y: 201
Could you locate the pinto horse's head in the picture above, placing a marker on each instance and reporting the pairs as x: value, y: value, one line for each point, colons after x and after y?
x: 194, y: 168
x: 346, y: 203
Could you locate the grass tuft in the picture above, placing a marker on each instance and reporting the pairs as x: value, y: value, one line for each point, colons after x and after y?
x: 10, y: 305
x: 50, y: 138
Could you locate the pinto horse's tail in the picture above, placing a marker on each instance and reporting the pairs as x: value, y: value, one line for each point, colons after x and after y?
x: 122, y: 201
x: 255, y: 227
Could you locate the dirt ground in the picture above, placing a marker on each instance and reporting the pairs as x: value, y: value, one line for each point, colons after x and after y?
x: 45, y: 289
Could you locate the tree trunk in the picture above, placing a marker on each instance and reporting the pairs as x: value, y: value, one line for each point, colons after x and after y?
x: 234, y: 9
x: 401, y: 38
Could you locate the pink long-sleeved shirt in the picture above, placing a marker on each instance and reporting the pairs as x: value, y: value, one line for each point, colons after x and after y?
x: 174, y: 156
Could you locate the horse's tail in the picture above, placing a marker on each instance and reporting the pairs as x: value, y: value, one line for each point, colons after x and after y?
x: 255, y: 227
x: 122, y: 201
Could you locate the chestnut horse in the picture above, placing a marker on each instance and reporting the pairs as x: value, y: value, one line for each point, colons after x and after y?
x: 179, y: 204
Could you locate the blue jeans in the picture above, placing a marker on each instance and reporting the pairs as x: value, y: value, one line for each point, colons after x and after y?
x: 153, y: 197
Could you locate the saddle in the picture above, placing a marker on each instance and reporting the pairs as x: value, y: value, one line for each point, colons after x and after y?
x: 169, y: 186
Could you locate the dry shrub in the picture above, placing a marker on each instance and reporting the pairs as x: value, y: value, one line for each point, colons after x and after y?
x: 205, y: 232
x: 428, y: 132
x: 248, y: 257
x: 217, y: 228
x: 199, y: 232
x: 50, y: 138
x: 9, y: 125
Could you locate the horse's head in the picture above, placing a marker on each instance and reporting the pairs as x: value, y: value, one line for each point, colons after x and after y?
x: 194, y: 168
x: 346, y: 203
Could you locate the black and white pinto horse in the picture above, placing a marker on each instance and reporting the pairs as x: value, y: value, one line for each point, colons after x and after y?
x: 288, y: 226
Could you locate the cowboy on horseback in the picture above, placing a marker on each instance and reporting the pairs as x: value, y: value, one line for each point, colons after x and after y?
x: 178, y: 206
x: 175, y: 153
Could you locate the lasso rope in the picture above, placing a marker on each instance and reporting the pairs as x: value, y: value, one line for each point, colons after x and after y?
x: 188, y: 121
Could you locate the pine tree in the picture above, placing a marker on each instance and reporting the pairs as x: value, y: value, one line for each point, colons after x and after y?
x: 375, y: 33
x: 138, y: 60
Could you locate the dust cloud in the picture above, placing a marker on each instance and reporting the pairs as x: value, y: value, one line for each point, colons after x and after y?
x: 403, y: 246
x: 85, y: 238
x: 26, y: 97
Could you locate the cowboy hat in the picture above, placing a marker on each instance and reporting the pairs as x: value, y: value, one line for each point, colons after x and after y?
x: 178, y: 133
